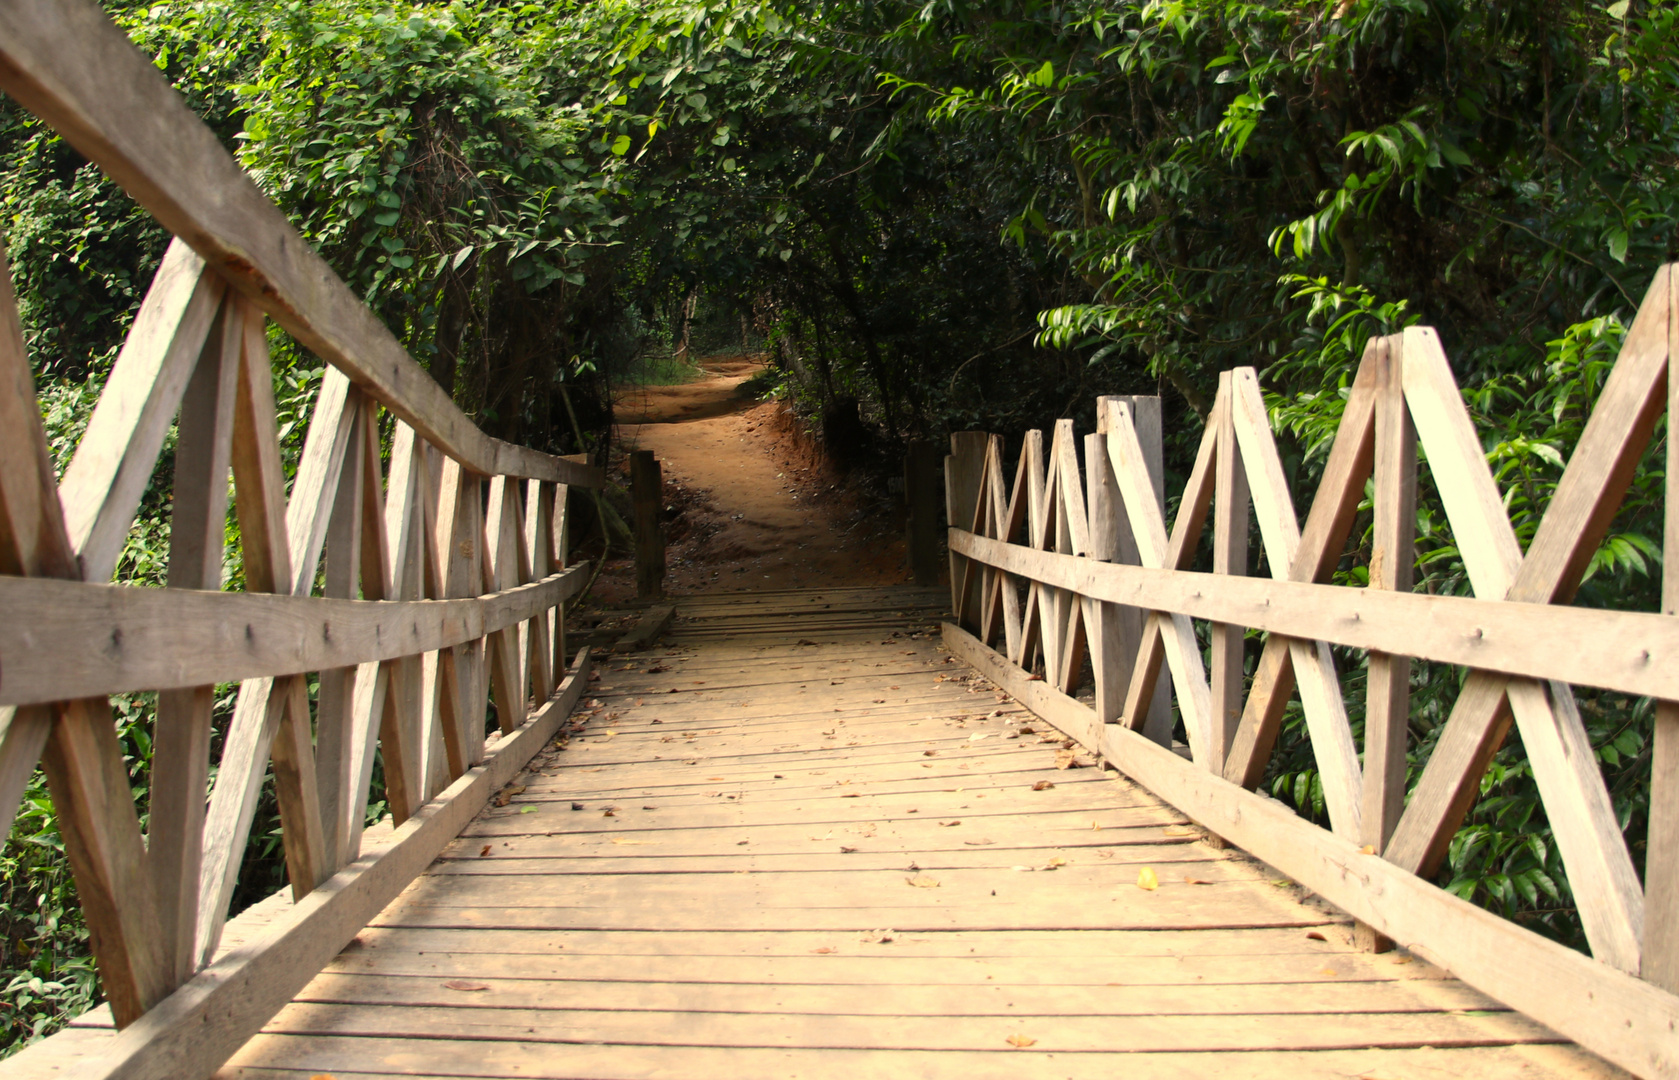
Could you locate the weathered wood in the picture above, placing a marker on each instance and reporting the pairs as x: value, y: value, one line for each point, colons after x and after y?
x: 1387, y: 706
x: 1594, y: 647
x: 1660, y: 963
x: 195, y: 1029
x: 647, y: 628
x: 181, y: 732
x: 1626, y: 1020
x: 114, y: 888
x: 304, y: 829
x: 647, y: 493
x: 115, y: 458
x: 1230, y: 556
x: 66, y: 62
x: 179, y: 638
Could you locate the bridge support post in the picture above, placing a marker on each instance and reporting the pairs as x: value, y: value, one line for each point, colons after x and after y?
x: 921, y: 494
x: 647, y: 492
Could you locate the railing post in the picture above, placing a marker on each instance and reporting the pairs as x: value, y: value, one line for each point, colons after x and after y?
x: 647, y: 492
x: 1146, y: 419
x: 921, y: 486
x: 962, y: 470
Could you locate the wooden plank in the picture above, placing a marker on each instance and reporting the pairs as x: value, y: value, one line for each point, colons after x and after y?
x: 560, y: 996
x: 646, y: 629
x: 33, y: 537
x: 1322, y: 541
x: 1596, y: 647
x: 1588, y: 833
x: 1660, y: 963
x: 69, y: 65
x: 200, y: 1025
x: 259, y: 479
x: 113, y: 638
x: 1626, y: 1020
x: 89, y: 784
x: 1110, y: 656
x: 1387, y: 708
x: 115, y: 458
x: 998, y: 1060
x: 1230, y: 556
x: 647, y: 495
x: 181, y: 733
x: 304, y: 829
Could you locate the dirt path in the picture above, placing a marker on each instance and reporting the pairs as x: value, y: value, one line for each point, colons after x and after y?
x: 748, y: 505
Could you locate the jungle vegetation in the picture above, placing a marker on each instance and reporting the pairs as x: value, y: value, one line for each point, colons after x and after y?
x: 936, y: 216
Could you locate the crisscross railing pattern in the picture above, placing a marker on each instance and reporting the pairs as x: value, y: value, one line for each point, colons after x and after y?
x: 1076, y: 562
x: 415, y: 592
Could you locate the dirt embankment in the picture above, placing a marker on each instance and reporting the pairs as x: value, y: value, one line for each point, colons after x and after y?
x: 749, y: 502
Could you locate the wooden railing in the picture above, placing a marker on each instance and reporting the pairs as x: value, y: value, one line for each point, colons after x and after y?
x: 1074, y: 562
x: 442, y: 588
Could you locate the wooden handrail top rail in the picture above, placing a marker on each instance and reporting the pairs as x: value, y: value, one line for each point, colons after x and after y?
x: 109, y: 639
x: 69, y: 65
x: 1632, y: 652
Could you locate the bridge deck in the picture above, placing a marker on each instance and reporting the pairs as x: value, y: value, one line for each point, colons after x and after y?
x: 798, y: 839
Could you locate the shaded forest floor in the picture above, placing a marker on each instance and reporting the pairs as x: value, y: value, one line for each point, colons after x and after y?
x: 751, y: 503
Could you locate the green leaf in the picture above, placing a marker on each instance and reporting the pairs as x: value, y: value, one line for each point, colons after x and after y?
x: 621, y: 145
x: 1618, y: 245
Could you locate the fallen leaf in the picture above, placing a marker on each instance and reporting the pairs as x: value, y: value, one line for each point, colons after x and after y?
x: 1367, y: 849
x: 1331, y: 972
x: 878, y: 937
x: 1021, y: 1042
x: 978, y: 735
x: 1043, y: 785
x: 825, y: 950
x: 1402, y: 959
x: 1315, y: 936
x: 485, y: 852
x: 1055, y: 864
x: 1282, y: 883
x: 1178, y: 830
x: 1065, y: 759
x: 1196, y: 881
x: 528, y: 810
x: 1147, y: 880
x: 577, y: 806
x: 465, y: 985
x: 949, y: 824
x: 847, y: 850
x: 922, y: 881
x: 978, y: 843
x: 506, y: 794
x: 929, y: 753
x: 608, y: 813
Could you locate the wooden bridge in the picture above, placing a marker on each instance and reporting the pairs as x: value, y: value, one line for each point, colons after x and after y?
x: 1007, y: 829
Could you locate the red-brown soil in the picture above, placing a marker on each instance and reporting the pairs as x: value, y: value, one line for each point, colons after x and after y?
x: 750, y: 502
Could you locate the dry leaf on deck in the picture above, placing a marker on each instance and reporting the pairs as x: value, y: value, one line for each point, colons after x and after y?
x: 1065, y: 759
x: 465, y: 985
x: 978, y: 843
x: 485, y: 852
x: 1146, y: 879
x: 922, y: 881
x: 1196, y: 881
x: 1055, y: 864
x: 1315, y: 936
x: 825, y: 950
x: 948, y: 824
x: 847, y: 850
x: 1043, y: 785
x: 1021, y: 1042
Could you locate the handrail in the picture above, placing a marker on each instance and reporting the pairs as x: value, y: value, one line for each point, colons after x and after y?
x: 441, y: 578
x: 1076, y: 562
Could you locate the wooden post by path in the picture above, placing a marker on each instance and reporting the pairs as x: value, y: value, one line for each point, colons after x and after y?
x: 921, y: 493
x: 647, y: 492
